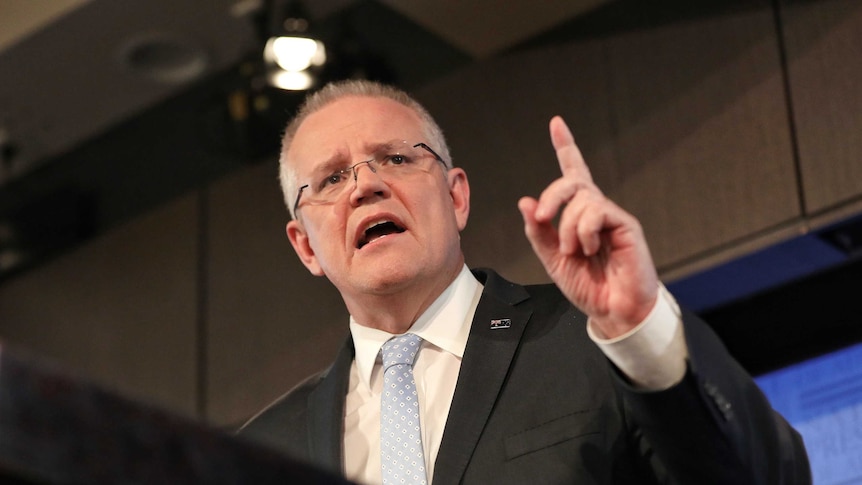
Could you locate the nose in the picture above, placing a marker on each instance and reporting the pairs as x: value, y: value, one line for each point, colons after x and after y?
x: 369, y: 185
x: 355, y: 168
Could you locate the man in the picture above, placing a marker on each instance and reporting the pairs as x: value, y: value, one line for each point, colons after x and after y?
x: 599, y: 378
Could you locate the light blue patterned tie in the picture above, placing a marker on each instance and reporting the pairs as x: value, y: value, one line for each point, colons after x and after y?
x: 400, y: 437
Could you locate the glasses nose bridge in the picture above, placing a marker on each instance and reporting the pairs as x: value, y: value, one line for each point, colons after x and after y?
x: 355, y: 168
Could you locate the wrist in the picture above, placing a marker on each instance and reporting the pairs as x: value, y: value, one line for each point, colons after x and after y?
x: 615, y: 327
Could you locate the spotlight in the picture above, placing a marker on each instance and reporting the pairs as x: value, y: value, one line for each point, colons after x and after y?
x: 292, y: 56
x: 295, y: 53
x: 291, y: 59
x: 290, y: 81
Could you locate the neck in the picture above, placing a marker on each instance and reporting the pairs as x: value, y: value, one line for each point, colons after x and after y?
x: 395, y: 312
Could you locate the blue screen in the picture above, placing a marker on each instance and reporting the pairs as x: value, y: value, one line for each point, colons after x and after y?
x: 822, y: 399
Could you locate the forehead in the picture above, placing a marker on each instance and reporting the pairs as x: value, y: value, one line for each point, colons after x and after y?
x: 349, y: 125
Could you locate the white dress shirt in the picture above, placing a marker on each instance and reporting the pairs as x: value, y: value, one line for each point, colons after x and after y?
x: 652, y: 356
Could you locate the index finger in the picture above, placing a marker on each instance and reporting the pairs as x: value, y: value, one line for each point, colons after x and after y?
x: 568, y: 154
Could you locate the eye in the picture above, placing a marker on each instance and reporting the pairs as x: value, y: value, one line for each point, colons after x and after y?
x: 397, y: 159
x: 334, y: 179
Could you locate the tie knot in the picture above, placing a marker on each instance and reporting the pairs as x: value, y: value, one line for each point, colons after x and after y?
x: 400, y: 350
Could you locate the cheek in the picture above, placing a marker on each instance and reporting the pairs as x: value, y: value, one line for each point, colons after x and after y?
x: 327, y: 237
x: 437, y: 213
x: 336, y: 230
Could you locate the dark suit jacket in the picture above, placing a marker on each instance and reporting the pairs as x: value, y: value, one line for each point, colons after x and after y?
x: 538, y: 402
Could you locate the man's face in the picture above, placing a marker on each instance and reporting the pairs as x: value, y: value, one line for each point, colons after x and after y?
x: 381, y: 235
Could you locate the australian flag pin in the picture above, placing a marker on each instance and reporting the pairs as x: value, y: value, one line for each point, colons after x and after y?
x: 501, y: 323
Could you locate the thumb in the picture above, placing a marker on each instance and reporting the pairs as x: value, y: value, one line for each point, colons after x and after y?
x: 543, y: 236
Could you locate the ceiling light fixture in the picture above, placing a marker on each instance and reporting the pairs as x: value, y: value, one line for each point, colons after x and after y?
x: 165, y: 58
x: 290, y: 61
x: 292, y: 56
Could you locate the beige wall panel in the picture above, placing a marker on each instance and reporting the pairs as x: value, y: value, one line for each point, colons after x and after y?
x: 824, y: 50
x: 495, y: 116
x: 685, y: 125
x: 120, y: 310
x: 703, y: 133
x: 270, y: 322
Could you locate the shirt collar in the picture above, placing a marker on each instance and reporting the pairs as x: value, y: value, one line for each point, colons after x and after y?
x: 445, y: 324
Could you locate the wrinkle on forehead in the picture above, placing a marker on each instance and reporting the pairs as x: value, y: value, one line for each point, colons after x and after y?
x: 342, y: 158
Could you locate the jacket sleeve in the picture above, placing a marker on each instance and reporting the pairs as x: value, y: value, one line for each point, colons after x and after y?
x: 715, y: 426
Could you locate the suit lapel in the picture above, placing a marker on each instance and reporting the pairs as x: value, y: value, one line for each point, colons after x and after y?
x: 326, y: 412
x: 486, y: 362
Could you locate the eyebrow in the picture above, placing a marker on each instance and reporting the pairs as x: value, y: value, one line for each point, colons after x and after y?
x: 339, y: 161
x: 377, y: 147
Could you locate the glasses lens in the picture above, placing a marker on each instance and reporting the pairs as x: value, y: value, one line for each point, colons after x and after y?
x: 392, y: 162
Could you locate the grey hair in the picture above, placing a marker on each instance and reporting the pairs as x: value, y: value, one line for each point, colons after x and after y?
x: 352, y: 88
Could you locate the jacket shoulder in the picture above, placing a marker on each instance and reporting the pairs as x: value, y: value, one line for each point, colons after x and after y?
x: 283, y: 423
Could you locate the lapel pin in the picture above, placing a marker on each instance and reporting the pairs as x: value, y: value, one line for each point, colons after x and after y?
x: 501, y: 323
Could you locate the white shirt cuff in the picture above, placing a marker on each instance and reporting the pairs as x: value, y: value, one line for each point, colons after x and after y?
x: 653, y: 354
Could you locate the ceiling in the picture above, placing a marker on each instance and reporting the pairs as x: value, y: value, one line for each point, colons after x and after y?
x: 73, y: 68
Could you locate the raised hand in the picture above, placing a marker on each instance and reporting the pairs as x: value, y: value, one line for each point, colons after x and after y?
x: 598, y: 255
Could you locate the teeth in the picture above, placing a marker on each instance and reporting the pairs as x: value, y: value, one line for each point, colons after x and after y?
x: 376, y: 223
x: 370, y: 232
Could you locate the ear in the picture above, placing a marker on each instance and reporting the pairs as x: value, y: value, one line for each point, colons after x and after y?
x: 299, y: 240
x: 459, y: 189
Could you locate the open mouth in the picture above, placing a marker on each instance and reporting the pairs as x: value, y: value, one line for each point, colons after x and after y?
x: 378, y: 230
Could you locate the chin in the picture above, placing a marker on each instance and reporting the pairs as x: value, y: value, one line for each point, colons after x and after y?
x: 390, y: 278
